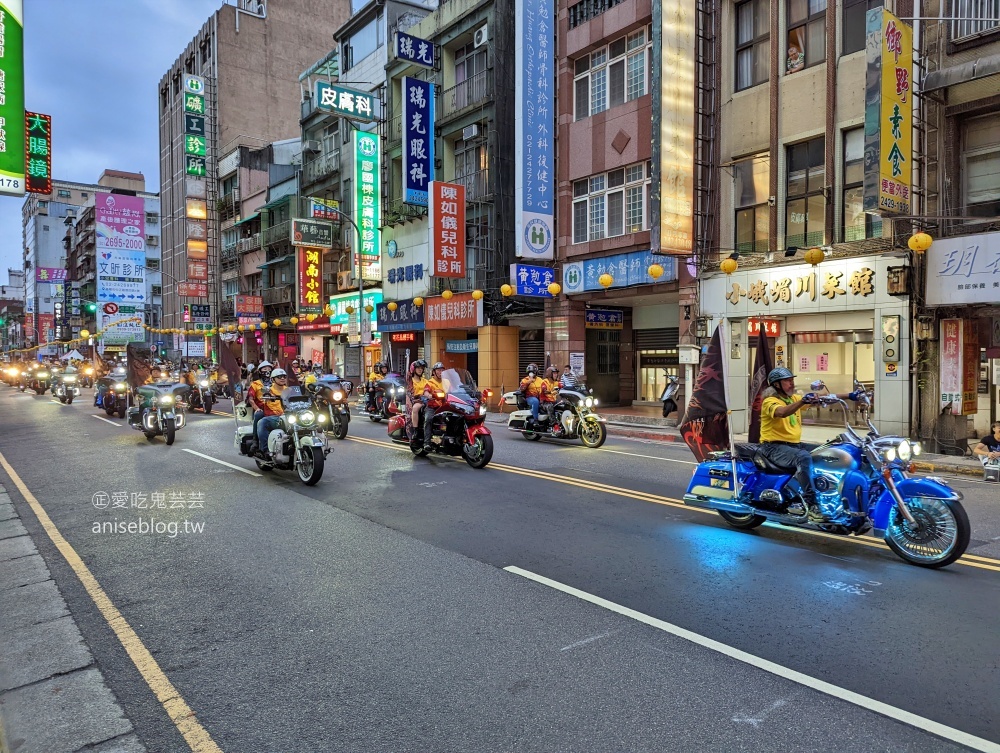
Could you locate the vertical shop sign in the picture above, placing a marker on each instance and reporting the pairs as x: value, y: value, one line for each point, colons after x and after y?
x: 12, y: 132
x: 368, y: 194
x: 38, y: 160
x: 447, y: 229
x: 418, y: 140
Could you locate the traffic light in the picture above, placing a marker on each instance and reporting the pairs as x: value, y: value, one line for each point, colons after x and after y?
x: 2, y: 321
x: 91, y: 307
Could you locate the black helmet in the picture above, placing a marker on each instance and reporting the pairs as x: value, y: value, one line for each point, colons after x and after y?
x: 420, y: 362
x: 532, y: 369
x: 437, y: 365
x: 778, y: 374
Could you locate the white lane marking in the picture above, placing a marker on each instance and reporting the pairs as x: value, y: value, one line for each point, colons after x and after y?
x: 585, y: 641
x: 223, y: 462
x: 843, y: 694
x: 651, y: 457
x: 105, y: 420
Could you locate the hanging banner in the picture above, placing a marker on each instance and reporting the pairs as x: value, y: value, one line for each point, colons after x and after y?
x: 534, y: 116
x: 121, y: 247
x: 462, y: 311
x: 418, y: 140
x: 888, y: 114
x: 368, y: 192
x: 12, y: 132
x: 446, y: 223
x: 38, y: 160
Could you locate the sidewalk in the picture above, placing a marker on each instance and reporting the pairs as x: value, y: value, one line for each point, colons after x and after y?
x: 53, y: 698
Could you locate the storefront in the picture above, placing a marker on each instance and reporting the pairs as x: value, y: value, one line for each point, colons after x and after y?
x: 402, y: 331
x: 344, y: 347
x: 841, y: 320
x: 456, y: 320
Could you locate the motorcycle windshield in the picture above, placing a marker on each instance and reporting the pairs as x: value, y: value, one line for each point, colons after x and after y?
x: 460, y: 384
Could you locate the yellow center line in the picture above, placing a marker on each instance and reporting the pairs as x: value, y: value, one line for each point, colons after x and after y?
x: 196, y: 736
x: 971, y: 560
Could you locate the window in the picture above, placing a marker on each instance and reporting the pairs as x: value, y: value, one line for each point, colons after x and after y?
x: 156, y: 289
x: 806, y: 34
x: 974, y: 18
x: 753, y: 43
x: 152, y: 264
x: 363, y: 42
x: 981, y: 166
x: 854, y: 24
x: 64, y: 194
x: 805, y: 210
x: 585, y: 10
x: 611, y: 204
x: 753, y: 215
x: 472, y: 166
x: 84, y: 194
x: 612, y: 75
x: 857, y: 224
x: 608, y: 351
x: 470, y: 69
x: 230, y: 288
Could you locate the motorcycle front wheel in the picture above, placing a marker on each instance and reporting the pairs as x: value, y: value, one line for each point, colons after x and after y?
x: 69, y: 400
x: 534, y: 436
x: 208, y: 406
x: 593, y: 433
x: 669, y: 406
x: 339, y: 427
x: 743, y: 521
x: 311, y: 466
x: 169, y: 431
x: 940, y: 536
x: 479, y: 454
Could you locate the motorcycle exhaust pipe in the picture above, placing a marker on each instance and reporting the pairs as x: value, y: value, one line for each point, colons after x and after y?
x: 714, y: 503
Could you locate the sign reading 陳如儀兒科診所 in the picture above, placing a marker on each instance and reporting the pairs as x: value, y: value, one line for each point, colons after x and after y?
x: 12, y: 131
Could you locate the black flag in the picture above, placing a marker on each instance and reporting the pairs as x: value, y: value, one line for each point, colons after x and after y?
x: 229, y: 364
x: 139, y: 370
x: 762, y: 366
x: 705, y: 426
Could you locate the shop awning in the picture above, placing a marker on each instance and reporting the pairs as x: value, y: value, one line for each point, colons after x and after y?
x: 962, y: 73
x: 253, y: 216
x: 279, y: 260
x: 275, y: 202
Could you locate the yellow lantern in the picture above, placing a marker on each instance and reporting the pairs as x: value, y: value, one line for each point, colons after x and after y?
x: 84, y: 333
x: 477, y: 295
x: 263, y: 325
x: 349, y: 310
x: 815, y: 256
x: 310, y: 317
x: 239, y: 327
x: 506, y: 290
x: 294, y: 320
x: 418, y: 301
x: 369, y: 308
x: 606, y: 280
x: 392, y: 305
x: 920, y: 242
x: 327, y: 311
x: 655, y: 271
x: 447, y: 294
x: 729, y: 266
x: 277, y: 322
x: 554, y: 289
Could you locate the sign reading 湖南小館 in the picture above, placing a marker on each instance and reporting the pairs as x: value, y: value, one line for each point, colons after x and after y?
x: 12, y: 132
x: 38, y: 154
x: 531, y: 281
x: 340, y: 99
x: 121, y: 248
x: 368, y: 194
x: 534, y: 116
x: 446, y: 223
x: 407, y: 317
x: 888, y: 114
x: 312, y: 233
x: 418, y: 140
x: 414, y: 49
x: 963, y: 270
x: 461, y: 311
x: 310, y: 279
x: 605, y: 319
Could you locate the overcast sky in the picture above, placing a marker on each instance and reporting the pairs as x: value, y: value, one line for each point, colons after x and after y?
x: 94, y: 66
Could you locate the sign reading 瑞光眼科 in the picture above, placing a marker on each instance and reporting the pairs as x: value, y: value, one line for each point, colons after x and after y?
x: 12, y: 133
x: 446, y: 226
x: 340, y: 99
x: 407, y: 317
x: 38, y: 159
x: 888, y: 114
x: 418, y: 140
x: 367, y: 190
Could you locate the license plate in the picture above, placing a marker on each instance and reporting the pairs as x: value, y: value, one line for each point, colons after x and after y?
x: 719, y: 483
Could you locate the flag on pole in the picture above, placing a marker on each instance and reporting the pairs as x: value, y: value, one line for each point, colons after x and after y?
x: 762, y: 366
x: 705, y: 426
x: 229, y: 364
x: 139, y: 369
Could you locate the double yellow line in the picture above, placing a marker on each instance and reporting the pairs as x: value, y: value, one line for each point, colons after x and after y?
x: 971, y: 560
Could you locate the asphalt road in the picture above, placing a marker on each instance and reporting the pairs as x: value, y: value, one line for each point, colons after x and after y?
x: 373, y: 612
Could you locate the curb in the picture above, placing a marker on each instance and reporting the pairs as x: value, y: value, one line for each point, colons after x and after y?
x: 963, y: 470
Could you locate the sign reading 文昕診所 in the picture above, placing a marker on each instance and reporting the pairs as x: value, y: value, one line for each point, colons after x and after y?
x: 12, y: 132
x: 121, y: 248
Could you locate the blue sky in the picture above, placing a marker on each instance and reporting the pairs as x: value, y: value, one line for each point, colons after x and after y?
x: 94, y: 66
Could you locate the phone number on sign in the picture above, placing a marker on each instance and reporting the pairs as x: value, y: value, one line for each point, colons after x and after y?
x: 132, y: 244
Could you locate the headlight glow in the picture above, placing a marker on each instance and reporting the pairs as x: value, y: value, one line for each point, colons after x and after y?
x: 903, y: 451
x: 203, y: 383
x: 307, y: 417
x: 890, y: 454
x: 917, y: 449
x: 338, y: 395
x: 120, y: 386
x: 596, y: 401
x: 43, y: 374
x: 166, y: 399
x: 291, y: 419
x: 589, y: 402
x: 322, y: 418
x: 69, y: 379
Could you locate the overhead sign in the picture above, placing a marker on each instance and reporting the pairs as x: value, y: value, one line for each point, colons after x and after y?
x: 12, y: 133
x: 446, y: 225
x: 532, y: 282
x: 192, y: 289
x: 888, y: 114
x: 534, y: 115
x: 367, y: 188
x: 312, y: 233
x: 249, y: 305
x: 324, y: 209
x: 626, y: 270
x: 50, y: 274
x: 310, y: 280
x: 340, y: 99
x: 963, y: 270
x: 408, y: 317
x: 461, y: 312
x: 38, y: 159
x: 418, y: 140
x: 414, y: 49
x: 197, y: 313
x: 121, y: 247
x: 605, y: 319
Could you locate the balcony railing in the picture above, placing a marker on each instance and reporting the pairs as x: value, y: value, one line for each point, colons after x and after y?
x: 245, y: 245
x: 398, y: 212
x: 321, y: 167
x: 230, y: 252
x: 477, y: 185
x: 228, y: 205
x: 472, y: 91
x: 278, y: 233
x: 395, y: 134
x: 227, y: 308
x: 277, y: 296
x: 588, y: 9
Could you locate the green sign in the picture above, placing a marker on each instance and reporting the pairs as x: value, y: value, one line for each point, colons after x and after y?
x: 194, y: 103
x: 194, y: 165
x: 12, y: 130
x: 194, y: 145
x: 194, y: 124
x: 339, y: 304
x: 368, y: 196
x: 350, y: 102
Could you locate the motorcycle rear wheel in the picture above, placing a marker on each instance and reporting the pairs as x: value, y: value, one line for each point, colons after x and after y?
x: 743, y: 521
x: 483, y: 451
x: 311, y: 467
x: 169, y: 432
x: 69, y: 400
x: 942, y: 537
x: 534, y: 436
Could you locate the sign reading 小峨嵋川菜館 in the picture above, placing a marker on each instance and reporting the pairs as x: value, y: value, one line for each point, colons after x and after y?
x: 418, y: 140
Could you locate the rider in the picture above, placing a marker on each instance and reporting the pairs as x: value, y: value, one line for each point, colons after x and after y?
x: 531, y: 388
x: 373, y: 378
x: 273, y: 409
x: 415, y: 384
x: 434, y: 384
x: 313, y: 376
x: 550, y: 389
x: 261, y: 379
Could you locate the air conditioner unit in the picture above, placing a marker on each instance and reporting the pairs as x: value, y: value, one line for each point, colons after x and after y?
x: 310, y: 145
x: 470, y: 132
x: 345, y: 281
x: 481, y: 37
x: 152, y: 240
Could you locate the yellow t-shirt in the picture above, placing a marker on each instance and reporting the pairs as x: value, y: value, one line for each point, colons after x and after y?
x: 417, y: 385
x: 774, y: 429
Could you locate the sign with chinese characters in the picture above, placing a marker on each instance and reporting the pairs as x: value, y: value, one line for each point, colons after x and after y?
x: 194, y: 124
x: 249, y: 305
x: 414, y: 49
x: 340, y: 99
x: 446, y: 223
x: 194, y: 103
x: 888, y: 114
x: 310, y: 280
x: 823, y: 362
x: 12, y: 134
x: 194, y: 165
x: 340, y: 303
x: 952, y: 366
x: 534, y: 115
x: 849, y: 284
x: 120, y: 334
x: 49, y: 274
x: 406, y: 274
x: 197, y: 313
x: 408, y: 317
x: 626, y: 270
x: 197, y: 270
x: 312, y: 233
x: 532, y: 282
x: 461, y: 346
x: 676, y: 103
x: 963, y: 270
x: 46, y: 327
x: 38, y: 160
x: 461, y: 312
x: 367, y: 191
x: 771, y: 327
x: 121, y: 247
x: 194, y: 145
x: 324, y: 209
x: 605, y: 319
x: 418, y: 140
x: 193, y: 290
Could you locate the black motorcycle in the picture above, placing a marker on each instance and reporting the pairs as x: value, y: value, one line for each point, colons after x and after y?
x: 41, y: 381
x: 330, y: 397
x: 160, y: 411
x: 65, y: 386
x: 112, y: 394
x: 201, y: 394
x: 389, y: 388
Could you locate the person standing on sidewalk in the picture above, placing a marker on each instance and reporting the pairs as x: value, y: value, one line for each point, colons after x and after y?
x: 988, y: 451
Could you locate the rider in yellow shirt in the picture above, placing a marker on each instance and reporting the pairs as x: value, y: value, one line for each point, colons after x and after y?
x: 531, y: 388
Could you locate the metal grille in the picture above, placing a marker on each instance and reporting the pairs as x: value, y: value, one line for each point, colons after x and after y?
x: 530, y: 351
x: 656, y: 339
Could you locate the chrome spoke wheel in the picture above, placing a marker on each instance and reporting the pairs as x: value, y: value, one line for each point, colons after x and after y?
x: 934, y: 535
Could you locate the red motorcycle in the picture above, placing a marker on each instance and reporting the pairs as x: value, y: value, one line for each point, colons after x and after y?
x: 458, y: 427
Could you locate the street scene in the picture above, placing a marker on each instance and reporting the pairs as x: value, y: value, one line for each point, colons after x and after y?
x: 523, y: 375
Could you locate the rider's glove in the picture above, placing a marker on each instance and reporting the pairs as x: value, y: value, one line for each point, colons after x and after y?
x: 810, y: 397
x: 854, y: 395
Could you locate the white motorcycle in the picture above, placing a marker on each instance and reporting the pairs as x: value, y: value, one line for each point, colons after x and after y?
x: 572, y: 416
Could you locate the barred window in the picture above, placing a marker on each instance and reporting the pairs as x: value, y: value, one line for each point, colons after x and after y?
x: 611, y: 204
x: 612, y: 75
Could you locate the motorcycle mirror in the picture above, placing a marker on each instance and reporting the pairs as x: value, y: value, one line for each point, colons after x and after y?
x: 818, y: 384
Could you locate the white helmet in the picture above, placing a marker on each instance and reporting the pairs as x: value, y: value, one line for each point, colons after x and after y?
x: 278, y: 373
x: 265, y: 365
x: 250, y: 367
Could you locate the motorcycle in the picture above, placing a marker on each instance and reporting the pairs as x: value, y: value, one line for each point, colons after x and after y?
x: 41, y: 381
x: 669, y: 395
x: 161, y: 411
x: 65, y: 387
x: 201, y: 394
x: 387, y: 389
x: 458, y: 427
x: 87, y: 378
x: 330, y: 394
x: 112, y: 394
x: 863, y: 484
x: 300, y: 442
x: 572, y: 417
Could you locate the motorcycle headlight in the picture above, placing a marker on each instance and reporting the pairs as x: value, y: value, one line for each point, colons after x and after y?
x: 69, y: 379
x: 482, y: 410
x: 588, y: 402
x: 43, y: 375
x: 322, y: 418
x: 890, y: 454
x: 916, y: 449
x: 203, y: 383
x: 88, y: 371
x: 120, y: 386
x: 904, y: 451
x: 306, y: 417
x: 166, y: 399
x: 338, y: 395
x: 291, y: 419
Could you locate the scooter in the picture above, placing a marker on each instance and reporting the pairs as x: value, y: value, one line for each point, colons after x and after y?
x: 669, y: 393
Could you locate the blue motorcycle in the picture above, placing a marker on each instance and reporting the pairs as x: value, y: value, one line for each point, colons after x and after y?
x: 863, y: 485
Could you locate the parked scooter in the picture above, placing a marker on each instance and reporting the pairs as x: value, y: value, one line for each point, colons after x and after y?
x: 668, y: 398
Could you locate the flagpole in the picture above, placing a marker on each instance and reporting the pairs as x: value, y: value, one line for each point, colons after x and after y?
x: 724, y: 325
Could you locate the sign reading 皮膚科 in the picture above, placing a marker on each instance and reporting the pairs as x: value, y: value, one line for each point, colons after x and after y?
x: 340, y: 99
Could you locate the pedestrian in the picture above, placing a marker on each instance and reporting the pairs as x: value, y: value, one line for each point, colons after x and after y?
x: 988, y: 452
x: 568, y: 378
